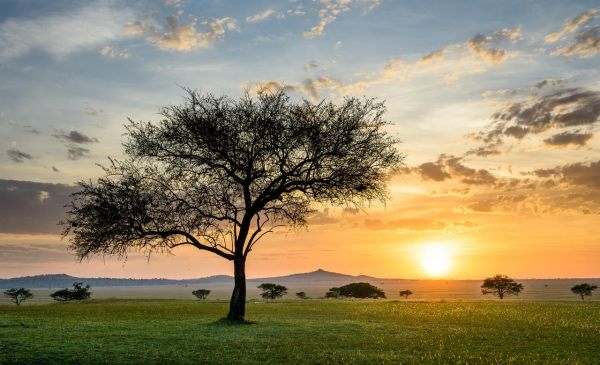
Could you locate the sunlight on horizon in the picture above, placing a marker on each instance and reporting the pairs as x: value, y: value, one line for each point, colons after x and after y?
x: 436, y: 258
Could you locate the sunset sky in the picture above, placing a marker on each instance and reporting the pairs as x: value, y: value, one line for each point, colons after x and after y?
x: 497, y: 104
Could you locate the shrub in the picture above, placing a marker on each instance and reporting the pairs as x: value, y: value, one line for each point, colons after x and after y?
x: 406, y: 293
x: 356, y: 290
x: 301, y: 295
x: 79, y: 292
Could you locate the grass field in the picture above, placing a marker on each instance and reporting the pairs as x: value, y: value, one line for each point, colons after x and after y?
x: 311, y: 331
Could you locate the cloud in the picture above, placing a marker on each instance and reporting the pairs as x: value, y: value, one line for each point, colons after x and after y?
x: 185, y: 37
x: 30, y: 129
x: 72, y: 140
x: 586, y: 44
x: 264, y: 15
x: 110, y: 52
x: 482, y: 45
x: 416, y: 225
x: 18, y: 156
x: 309, y: 87
x: 560, y: 108
x: 330, y: 10
x: 585, y: 174
x: 90, y: 110
x: 571, y: 25
x: 138, y: 27
x: 84, y: 28
x: 567, y: 138
x: 32, y: 207
x: 460, y: 59
x: 76, y: 152
x: 451, y: 167
x: 55, y: 169
x: 75, y: 137
x: 432, y: 57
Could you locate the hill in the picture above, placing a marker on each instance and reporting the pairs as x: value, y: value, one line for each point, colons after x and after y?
x: 64, y: 280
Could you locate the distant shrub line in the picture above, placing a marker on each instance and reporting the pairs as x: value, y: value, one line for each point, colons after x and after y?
x: 498, y: 285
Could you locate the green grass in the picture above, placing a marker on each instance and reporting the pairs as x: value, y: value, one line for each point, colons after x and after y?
x: 319, y: 331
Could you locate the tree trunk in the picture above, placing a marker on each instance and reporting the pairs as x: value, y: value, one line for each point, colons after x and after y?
x: 237, y: 305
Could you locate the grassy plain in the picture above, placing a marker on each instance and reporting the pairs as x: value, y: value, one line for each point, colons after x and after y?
x: 296, y: 332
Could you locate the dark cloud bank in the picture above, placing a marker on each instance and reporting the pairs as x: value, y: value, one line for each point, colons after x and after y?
x: 32, y: 207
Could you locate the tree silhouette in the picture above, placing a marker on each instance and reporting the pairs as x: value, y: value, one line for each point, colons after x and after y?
x: 584, y: 289
x: 272, y: 291
x: 406, y: 293
x: 356, y: 290
x: 18, y: 296
x: 302, y: 295
x: 201, y: 293
x: 501, y: 286
x: 79, y: 292
x: 218, y: 174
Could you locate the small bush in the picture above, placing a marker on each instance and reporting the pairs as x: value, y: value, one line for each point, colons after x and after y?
x: 301, y: 295
x: 406, y: 293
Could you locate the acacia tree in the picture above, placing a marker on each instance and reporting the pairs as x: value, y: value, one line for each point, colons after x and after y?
x: 18, y: 296
x: 219, y: 174
x: 500, y: 286
x: 201, y: 293
x: 583, y: 290
x: 272, y: 291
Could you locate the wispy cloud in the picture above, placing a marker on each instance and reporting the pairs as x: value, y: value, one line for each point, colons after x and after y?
x: 571, y: 26
x: 111, y: 52
x: 83, y: 28
x: 73, y: 141
x: 263, y: 15
x: 18, y: 156
x: 176, y: 36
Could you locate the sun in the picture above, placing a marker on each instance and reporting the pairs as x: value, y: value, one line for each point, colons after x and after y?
x: 435, y: 258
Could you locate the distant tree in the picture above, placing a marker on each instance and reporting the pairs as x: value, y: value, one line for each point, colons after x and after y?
x: 406, y: 293
x: 333, y: 293
x: 79, y: 292
x: 217, y: 174
x: 301, y: 295
x: 501, y: 286
x: 272, y: 291
x: 201, y: 293
x: 584, y: 289
x: 18, y: 296
x: 356, y: 290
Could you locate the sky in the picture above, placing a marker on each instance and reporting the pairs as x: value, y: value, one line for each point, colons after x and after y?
x: 497, y: 105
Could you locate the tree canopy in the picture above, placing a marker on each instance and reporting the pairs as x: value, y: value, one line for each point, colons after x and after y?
x: 583, y: 289
x: 272, y: 291
x: 19, y: 295
x: 219, y: 174
x: 501, y: 286
x: 79, y: 292
x: 356, y: 290
x: 201, y: 293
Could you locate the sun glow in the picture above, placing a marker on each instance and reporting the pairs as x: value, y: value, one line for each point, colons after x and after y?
x: 435, y: 258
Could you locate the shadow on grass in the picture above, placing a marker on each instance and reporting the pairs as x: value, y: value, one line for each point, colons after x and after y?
x: 228, y: 322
